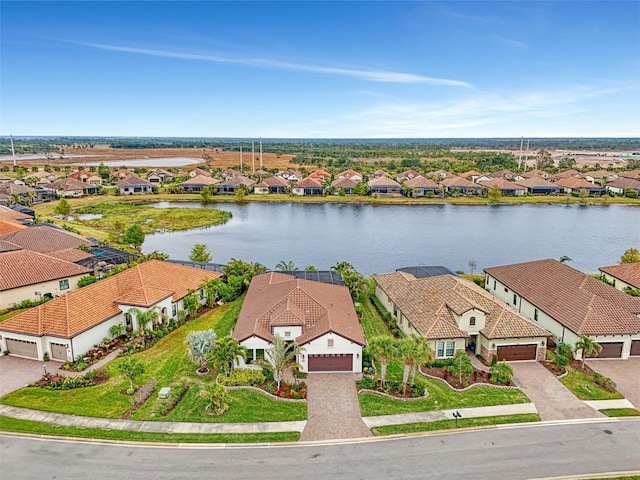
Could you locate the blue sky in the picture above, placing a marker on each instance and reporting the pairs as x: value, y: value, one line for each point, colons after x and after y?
x: 320, y: 69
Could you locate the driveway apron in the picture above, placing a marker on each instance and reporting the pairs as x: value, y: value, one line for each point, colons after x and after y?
x: 552, y: 399
x: 333, y: 409
x: 625, y: 374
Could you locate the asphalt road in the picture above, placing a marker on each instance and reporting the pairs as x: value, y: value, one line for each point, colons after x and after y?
x: 508, y: 453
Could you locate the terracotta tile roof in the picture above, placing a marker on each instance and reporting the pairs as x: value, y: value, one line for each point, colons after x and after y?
x: 7, y: 213
x: 380, y: 173
x: 536, y: 182
x: 568, y: 174
x: 67, y: 185
x: 344, y: 182
x: 320, y: 174
x: 44, y: 239
x: 583, y: 304
x: 348, y: 173
x: 625, y: 183
x: 383, y: 181
x: 309, y: 183
x: 8, y: 246
x: 80, y: 310
x: 502, y: 184
x: 10, y: 227
x: 19, y: 268
x: 122, y: 173
x: 470, y: 173
x: 600, y: 174
x: 429, y: 304
x: 576, y: 184
x: 70, y: 255
x: 534, y: 173
x: 502, y: 174
x: 627, y: 272
x: 201, y: 180
x: 273, y: 182
x: 407, y: 174
x: 458, y: 182
x: 14, y: 189
x: 132, y: 180
x: 237, y: 181
x: 421, y: 182
x: 633, y: 174
x: 277, y: 299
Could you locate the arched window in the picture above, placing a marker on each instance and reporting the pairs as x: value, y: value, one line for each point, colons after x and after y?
x: 472, y: 321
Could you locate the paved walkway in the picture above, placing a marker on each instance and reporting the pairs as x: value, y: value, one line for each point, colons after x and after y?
x: 436, y: 415
x: 551, y: 398
x: 333, y: 409
x: 625, y: 374
x: 477, y: 364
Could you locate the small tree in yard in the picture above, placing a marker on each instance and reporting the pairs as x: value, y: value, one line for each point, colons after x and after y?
x: 143, y: 318
x: 134, y: 236
x: 501, y: 373
x: 278, y: 357
x: 461, y: 365
x: 200, y: 346
x: 200, y: 253
x: 225, y: 352
x: 63, y: 208
x: 382, y: 348
x: 414, y: 351
x: 132, y: 368
x: 589, y: 348
x: 472, y: 265
x: 191, y: 303
x: 217, y: 399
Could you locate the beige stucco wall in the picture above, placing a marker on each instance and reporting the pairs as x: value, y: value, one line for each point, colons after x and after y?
x: 464, y: 321
x: 489, y: 347
x: 297, y: 191
x: 616, y: 282
x: 261, y: 190
x: 10, y: 298
x: 294, y: 332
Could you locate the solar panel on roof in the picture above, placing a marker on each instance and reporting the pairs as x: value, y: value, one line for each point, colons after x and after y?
x: 426, y: 271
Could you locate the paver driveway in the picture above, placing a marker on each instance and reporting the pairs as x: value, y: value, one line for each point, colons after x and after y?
x: 16, y: 372
x: 333, y: 409
x: 625, y: 373
x: 552, y: 400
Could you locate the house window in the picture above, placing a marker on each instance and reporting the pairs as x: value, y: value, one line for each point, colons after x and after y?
x: 64, y: 284
x: 535, y: 314
x: 446, y: 349
x: 506, y: 289
x: 287, y: 334
x: 515, y: 299
x: 494, y: 284
x: 472, y: 321
x: 259, y: 353
x: 329, y: 342
x: 202, y: 294
x: 174, y: 310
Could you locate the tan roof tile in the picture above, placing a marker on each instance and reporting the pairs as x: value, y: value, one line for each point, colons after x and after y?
x: 20, y: 268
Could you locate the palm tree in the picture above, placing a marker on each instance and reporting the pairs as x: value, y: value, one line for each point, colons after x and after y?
x: 564, y: 259
x: 225, y: 352
x: 143, y: 318
x: 382, y: 348
x: 191, y: 303
x: 289, y: 266
x: 589, y: 347
x: 212, y: 291
x: 279, y: 356
x: 200, y: 346
x: 414, y: 351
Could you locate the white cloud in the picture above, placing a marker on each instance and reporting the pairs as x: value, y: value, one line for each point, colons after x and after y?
x: 369, y: 75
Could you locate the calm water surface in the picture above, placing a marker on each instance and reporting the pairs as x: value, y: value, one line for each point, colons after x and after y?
x: 379, y: 239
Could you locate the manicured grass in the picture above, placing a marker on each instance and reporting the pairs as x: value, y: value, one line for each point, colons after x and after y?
x: 620, y: 412
x: 440, y: 397
x: 372, y: 323
x: 225, y: 325
x: 167, y: 362
x: 448, y: 424
x: 583, y: 387
x: 8, y: 424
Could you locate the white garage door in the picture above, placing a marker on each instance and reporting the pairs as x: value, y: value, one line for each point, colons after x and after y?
x: 22, y: 348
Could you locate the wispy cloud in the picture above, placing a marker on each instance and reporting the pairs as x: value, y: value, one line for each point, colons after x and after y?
x: 382, y: 76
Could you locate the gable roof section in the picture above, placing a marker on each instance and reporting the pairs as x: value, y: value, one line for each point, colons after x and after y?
x: 577, y: 184
x: 276, y: 299
x: 7, y: 226
x: 77, y: 311
x: 421, y: 182
x: 133, y: 180
x: 20, y: 268
x: 583, y: 304
x: 534, y: 181
x: 70, y: 255
x: 44, y: 239
x: 309, y: 183
x: 624, y: 183
x: 273, y: 182
x: 344, y: 182
x: 428, y: 303
x: 383, y: 181
x: 68, y: 185
x: 201, y: 180
x: 626, y: 272
x: 459, y: 182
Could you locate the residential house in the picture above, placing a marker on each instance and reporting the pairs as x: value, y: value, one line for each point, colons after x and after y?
x: 384, y: 186
x: 69, y: 326
x: 10, y: 226
x: 632, y: 174
x: 345, y: 184
x: 622, y: 276
x: 198, y: 183
x: 472, y: 175
x: 439, y: 175
x: 16, y: 214
x: 4, y: 179
x: 420, y: 186
x: 271, y: 185
x: 308, y: 186
x: 86, y: 177
x: 455, y: 314
x: 566, y: 174
x: 122, y: 173
x: 4, y: 199
x: 290, y: 175
x: 231, y: 173
x: 406, y: 175
x: 46, y: 239
x: 535, y: 173
x: 22, y: 193
x: 539, y: 186
x: 321, y: 175
x: 134, y: 185
x: 319, y: 317
x: 462, y: 186
x: 379, y: 173
x: 232, y: 184
x: 27, y: 275
x: 199, y: 171
x: 40, y: 178
x: 70, y: 187
x: 507, y: 188
x: 350, y: 174
x: 569, y: 303
x: 159, y: 176
x: 573, y: 184
x: 600, y: 176
x: 617, y: 186
x: 505, y: 174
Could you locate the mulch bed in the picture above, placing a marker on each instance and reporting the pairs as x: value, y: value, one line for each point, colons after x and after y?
x: 574, y: 365
x: 477, y: 377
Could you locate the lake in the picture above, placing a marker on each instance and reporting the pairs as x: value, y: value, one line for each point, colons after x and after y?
x: 148, y: 162
x: 381, y: 238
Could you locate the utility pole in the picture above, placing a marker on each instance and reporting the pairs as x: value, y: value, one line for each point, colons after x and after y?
x: 520, y: 157
x: 13, y: 151
x: 241, y: 159
x: 260, y: 152
x: 253, y: 157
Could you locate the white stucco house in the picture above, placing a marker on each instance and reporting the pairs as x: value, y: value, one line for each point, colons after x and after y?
x: 319, y: 317
x: 569, y: 303
x: 622, y: 276
x: 71, y: 325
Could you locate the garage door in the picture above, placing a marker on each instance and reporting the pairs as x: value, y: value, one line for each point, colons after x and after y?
x: 58, y: 351
x: 331, y: 363
x: 635, y: 347
x: 517, y: 352
x: 22, y: 348
x: 611, y: 350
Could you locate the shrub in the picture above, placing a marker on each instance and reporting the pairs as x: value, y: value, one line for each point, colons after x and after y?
x: 501, y: 373
x: 565, y: 350
x: 86, y: 280
x: 53, y: 381
x: 561, y: 361
x: 440, y: 363
x: 217, y: 399
x: 604, y: 382
x: 550, y: 356
x: 368, y: 383
x: 244, y: 376
x: 268, y: 374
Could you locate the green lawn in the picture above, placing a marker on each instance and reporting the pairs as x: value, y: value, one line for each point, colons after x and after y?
x: 448, y: 424
x: 620, y: 412
x: 440, y: 397
x: 8, y: 424
x: 583, y: 387
x: 167, y: 362
x: 372, y: 322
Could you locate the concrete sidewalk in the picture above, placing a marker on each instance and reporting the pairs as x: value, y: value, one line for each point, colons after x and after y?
x: 158, y: 427
x: 602, y: 404
x: 436, y: 415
